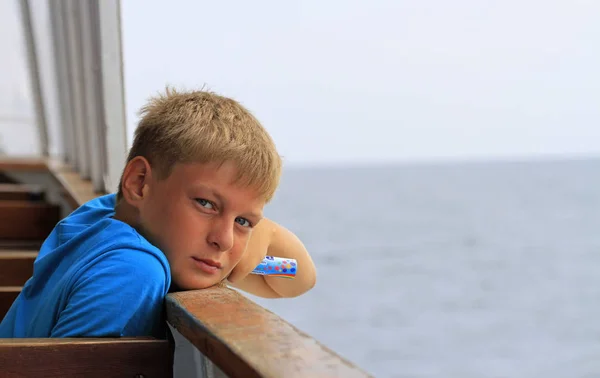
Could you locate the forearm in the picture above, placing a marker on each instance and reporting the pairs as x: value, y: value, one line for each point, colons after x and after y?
x: 287, y: 245
x: 269, y: 238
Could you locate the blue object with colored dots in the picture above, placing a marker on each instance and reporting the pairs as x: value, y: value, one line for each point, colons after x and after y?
x: 277, y: 267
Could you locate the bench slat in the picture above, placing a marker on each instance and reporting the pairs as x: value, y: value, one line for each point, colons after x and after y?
x: 8, y: 294
x: 25, y: 220
x: 16, y: 267
x: 32, y: 245
x: 90, y: 358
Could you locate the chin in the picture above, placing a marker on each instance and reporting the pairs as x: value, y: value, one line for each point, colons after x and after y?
x: 197, y: 284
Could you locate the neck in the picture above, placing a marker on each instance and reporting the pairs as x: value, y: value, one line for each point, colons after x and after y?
x: 126, y: 213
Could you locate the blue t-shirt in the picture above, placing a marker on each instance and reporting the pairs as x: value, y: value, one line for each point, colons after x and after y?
x: 94, y: 277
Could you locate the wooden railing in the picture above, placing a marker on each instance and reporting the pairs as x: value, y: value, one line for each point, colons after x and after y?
x: 235, y: 336
x: 246, y: 340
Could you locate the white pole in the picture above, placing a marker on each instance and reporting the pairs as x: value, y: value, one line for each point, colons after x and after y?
x: 34, y: 76
x: 57, y: 22
x: 91, y: 74
x: 73, y: 38
x: 109, y: 12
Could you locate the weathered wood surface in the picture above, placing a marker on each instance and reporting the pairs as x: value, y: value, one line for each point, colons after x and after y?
x: 16, y: 267
x: 8, y: 294
x: 18, y: 192
x: 245, y: 340
x: 89, y: 358
x: 26, y: 220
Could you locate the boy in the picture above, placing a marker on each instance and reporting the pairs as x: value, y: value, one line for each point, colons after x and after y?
x: 187, y: 215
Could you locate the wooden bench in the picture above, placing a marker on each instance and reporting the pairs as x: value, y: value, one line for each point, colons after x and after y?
x: 26, y: 219
x: 242, y: 339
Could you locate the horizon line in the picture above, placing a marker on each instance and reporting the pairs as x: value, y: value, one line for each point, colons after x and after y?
x: 443, y: 160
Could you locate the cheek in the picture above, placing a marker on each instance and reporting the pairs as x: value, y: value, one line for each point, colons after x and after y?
x: 171, y: 227
x: 155, y: 212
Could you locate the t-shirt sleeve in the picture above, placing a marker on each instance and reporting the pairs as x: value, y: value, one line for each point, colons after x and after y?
x: 121, y: 294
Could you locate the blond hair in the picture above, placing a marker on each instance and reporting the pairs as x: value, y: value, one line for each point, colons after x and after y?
x: 203, y: 127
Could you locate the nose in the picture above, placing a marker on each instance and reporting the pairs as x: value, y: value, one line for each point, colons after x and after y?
x: 221, y: 235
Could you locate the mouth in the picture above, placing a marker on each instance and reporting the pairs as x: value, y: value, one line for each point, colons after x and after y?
x: 207, y: 265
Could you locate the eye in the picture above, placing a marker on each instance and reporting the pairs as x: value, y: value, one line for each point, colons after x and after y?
x: 243, y: 222
x: 205, y: 203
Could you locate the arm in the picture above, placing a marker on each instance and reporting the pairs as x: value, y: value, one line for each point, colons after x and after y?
x: 120, y: 295
x: 269, y: 238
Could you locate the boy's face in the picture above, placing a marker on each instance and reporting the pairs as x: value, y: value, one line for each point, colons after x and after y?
x: 200, y: 220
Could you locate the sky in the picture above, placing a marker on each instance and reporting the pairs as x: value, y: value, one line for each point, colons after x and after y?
x: 14, y: 90
x: 344, y: 82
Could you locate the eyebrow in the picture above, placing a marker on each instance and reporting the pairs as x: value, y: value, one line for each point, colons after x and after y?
x: 256, y: 216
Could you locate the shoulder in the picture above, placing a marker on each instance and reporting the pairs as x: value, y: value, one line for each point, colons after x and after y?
x: 106, y: 201
x: 130, y: 265
x: 111, y: 243
x: 98, y: 207
x: 119, y: 294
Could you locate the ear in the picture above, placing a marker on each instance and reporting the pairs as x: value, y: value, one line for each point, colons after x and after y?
x: 136, y: 178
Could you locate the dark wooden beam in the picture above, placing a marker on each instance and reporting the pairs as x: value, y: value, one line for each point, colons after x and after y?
x: 31, y: 245
x: 245, y: 340
x: 26, y: 220
x: 16, y: 267
x: 8, y: 294
x: 90, y: 358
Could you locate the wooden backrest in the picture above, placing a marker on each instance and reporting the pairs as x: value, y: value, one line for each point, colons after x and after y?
x: 89, y: 358
x: 25, y: 218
